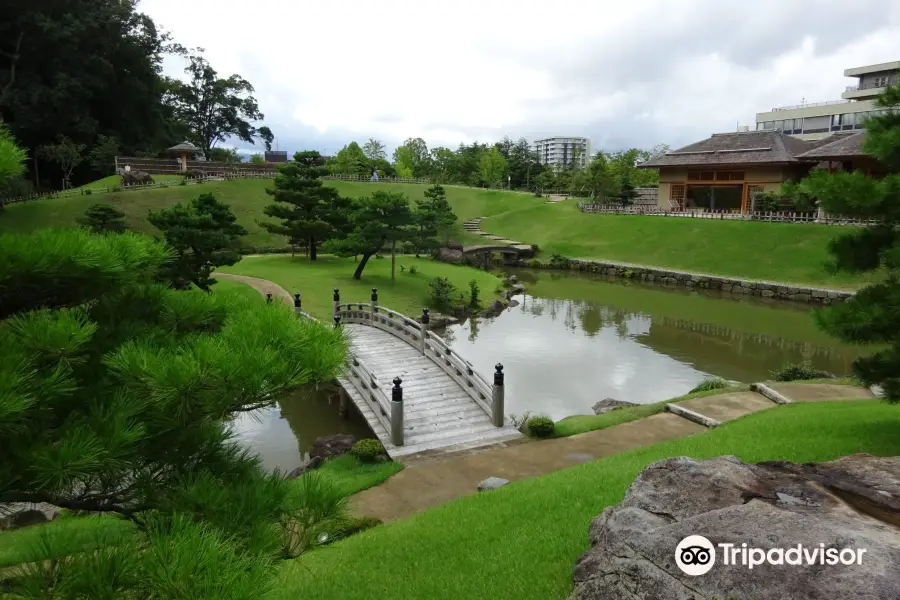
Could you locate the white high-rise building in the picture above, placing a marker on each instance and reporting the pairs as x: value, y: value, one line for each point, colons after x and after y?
x: 563, y: 151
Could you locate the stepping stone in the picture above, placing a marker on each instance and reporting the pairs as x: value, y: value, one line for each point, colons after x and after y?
x: 725, y: 407
x: 821, y: 392
x: 491, y: 483
x: 581, y: 457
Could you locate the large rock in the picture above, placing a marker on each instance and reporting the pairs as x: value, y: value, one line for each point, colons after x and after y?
x: 492, y: 483
x: 853, y: 502
x: 311, y: 462
x: 494, y: 309
x: 610, y: 404
x: 136, y: 178
x: 24, y: 514
x: 329, y: 446
x: 450, y: 255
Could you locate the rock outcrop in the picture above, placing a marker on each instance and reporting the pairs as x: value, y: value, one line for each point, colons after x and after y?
x: 329, y: 446
x: 136, y: 178
x: 450, y: 255
x: 610, y: 404
x: 850, y: 503
x: 309, y: 464
x: 23, y: 514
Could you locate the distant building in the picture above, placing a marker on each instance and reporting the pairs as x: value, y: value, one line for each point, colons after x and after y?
x: 814, y: 121
x: 563, y: 151
x: 276, y: 156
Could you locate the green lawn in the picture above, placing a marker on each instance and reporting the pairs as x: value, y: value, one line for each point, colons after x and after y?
x: 247, y: 198
x: 114, y: 180
x: 583, y: 423
x: 315, y: 280
x: 70, y: 534
x: 783, y: 252
x: 237, y: 288
x: 522, y: 541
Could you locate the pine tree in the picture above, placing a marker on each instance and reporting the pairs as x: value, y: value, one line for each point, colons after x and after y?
x: 101, y: 218
x: 433, y: 218
x: 117, y: 394
x: 309, y: 211
x: 872, y: 316
x: 204, y: 234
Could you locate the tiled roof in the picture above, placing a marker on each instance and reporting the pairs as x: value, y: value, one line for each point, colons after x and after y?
x: 845, y: 147
x: 739, y: 149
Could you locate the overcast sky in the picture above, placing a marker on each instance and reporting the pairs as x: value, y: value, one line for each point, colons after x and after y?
x: 623, y: 74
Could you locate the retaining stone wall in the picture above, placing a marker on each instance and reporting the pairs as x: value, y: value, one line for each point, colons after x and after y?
x: 778, y: 291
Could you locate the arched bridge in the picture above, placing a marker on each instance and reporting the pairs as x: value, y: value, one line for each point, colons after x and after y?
x: 416, y: 393
x: 519, y: 249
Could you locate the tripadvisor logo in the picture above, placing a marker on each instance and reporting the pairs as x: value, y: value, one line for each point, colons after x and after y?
x: 695, y: 555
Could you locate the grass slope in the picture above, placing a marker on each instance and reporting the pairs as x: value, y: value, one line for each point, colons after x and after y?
x: 315, y: 280
x: 521, y: 541
x: 783, y: 252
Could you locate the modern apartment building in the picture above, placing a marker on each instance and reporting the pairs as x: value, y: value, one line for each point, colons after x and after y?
x: 562, y: 151
x: 813, y: 121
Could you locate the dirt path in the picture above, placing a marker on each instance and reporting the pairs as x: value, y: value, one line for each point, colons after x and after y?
x: 263, y: 286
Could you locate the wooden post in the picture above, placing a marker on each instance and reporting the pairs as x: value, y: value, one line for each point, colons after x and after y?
x: 336, y: 302
x: 498, y: 397
x: 374, y: 306
x: 343, y: 402
x: 425, y: 320
x: 820, y: 212
x: 397, y: 412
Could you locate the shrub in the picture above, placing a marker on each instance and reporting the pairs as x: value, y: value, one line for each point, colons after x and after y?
x: 519, y: 421
x: 541, y: 427
x: 474, y: 300
x: 442, y: 292
x: 535, y: 263
x: 413, y: 270
x: 347, y: 527
x: 535, y: 248
x: 712, y: 383
x: 558, y: 260
x: 801, y: 372
x: 367, y: 450
x: 87, y: 192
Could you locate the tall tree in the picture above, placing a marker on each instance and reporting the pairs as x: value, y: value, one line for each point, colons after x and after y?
x: 213, y: 108
x: 64, y: 153
x: 524, y: 165
x: 492, y: 167
x: 403, y: 162
x: 203, y: 235
x: 414, y: 154
x: 351, y: 160
x: 309, y: 211
x: 117, y: 398
x: 12, y: 157
x: 872, y: 315
x: 81, y: 68
x: 374, y: 150
x: 226, y: 155
x: 599, y: 178
x: 266, y: 135
x: 103, y: 155
x: 379, y: 219
x: 442, y: 165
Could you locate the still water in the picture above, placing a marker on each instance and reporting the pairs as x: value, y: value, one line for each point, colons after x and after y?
x: 575, y: 339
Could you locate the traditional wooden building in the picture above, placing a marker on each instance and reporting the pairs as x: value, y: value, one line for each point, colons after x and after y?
x: 845, y: 154
x: 726, y: 170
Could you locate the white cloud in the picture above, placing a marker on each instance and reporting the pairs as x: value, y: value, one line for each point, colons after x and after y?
x: 635, y: 73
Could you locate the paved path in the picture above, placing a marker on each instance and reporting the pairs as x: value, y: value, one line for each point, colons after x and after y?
x: 428, y: 483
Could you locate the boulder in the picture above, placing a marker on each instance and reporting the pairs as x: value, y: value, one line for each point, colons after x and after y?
x: 311, y: 462
x: 136, y: 178
x: 453, y: 245
x: 329, y: 446
x: 496, y: 307
x: 512, y: 279
x: 850, y: 503
x: 438, y: 320
x: 491, y: 483
x: 609, y: 404
x: 450, y: 255
x: 14, y: 516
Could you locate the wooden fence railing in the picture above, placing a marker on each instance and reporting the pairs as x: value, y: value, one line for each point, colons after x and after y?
x: 490, y: 398
x: 774, y: 217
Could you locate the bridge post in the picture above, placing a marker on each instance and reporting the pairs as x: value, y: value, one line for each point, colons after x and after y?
x: 425, y: 320
x: 343, y: 402
x: 374, y: 305
x: 297, y: 308
x: 337, y: 321
x: 269, y: 298
x: 397, y: 412
x: 497, y: 415
x: 336, y: 301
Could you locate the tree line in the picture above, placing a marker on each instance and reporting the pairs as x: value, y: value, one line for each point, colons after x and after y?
x: 81, y: 82
x: 504, y: 164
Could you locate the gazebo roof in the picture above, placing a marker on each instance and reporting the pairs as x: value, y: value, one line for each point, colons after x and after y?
x: 184, y: 147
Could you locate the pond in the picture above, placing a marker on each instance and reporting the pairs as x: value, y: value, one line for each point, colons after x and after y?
x: 575, y: 339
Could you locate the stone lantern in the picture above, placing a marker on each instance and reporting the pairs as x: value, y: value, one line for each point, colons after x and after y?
x: 184, y: 149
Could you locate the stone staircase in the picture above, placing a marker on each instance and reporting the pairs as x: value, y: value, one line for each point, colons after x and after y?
x: 473, y: 226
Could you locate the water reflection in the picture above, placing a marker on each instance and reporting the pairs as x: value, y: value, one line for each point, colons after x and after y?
x: 632, y: 343
x: 281, y: 435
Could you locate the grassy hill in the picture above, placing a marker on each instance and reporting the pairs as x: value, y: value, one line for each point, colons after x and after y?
x: 791, y: 253
x: 247, y: 198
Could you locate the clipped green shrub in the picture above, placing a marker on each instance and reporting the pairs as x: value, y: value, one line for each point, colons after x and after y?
x: 442, y: 292
x: 540, y: 427
x: 800, y: 372
x: 367, y: 450
x: 347, y: 527
x: 413, y: 270
x: 558, y: 260
x: 712, y: 383
x: 88, y: 192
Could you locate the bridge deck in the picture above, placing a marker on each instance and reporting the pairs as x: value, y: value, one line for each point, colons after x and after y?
x: 438, y: 413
